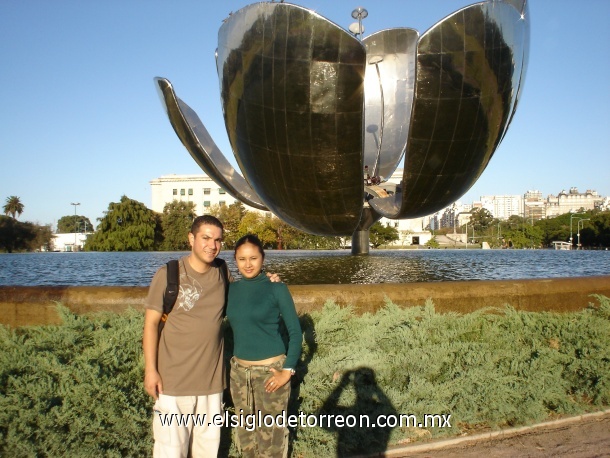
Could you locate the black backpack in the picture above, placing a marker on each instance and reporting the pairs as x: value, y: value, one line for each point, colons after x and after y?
x: 173, y: 281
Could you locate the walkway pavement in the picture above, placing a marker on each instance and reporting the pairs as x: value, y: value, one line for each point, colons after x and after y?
x: 584, y: 436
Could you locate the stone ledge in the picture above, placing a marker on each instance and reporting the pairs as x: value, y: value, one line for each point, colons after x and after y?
x: 26, y: 305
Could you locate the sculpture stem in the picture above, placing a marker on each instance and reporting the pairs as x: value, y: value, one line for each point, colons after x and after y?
x: 360, y: 242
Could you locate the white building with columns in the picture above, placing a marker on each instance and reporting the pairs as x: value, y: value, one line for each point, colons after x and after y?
x: 199, y: 189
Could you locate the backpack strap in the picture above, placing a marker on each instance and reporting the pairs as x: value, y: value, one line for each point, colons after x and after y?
x: 171, y: 291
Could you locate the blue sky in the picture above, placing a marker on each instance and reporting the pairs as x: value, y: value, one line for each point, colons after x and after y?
x: 81, y: 120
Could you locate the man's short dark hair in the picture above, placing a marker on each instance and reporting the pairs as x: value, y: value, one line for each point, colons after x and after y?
x: 206, y: 219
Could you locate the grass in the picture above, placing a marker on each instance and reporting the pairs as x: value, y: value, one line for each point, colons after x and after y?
x: 76, y: 389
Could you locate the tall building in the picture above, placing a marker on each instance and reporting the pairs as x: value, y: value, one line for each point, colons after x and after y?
x: 534, y: 206
x: 502, y: 207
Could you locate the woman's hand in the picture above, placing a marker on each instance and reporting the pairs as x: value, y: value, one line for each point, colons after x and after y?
x: 275, y: 278
x: 277, y: 380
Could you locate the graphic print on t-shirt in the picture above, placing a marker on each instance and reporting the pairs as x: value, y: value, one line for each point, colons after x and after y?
x: 189, y: 293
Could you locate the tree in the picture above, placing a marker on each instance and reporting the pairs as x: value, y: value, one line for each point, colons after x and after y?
x: 176, y: 223
x: 73, y: 223
x: 481, y: 219
x: 17, y: 236
x: 382, y: 235
x: 600, y: 224
x: 231, y: 217
x: 521, y: 234
x: 554, y: 229
x: 432, y: 243
x: 127, y: 226
x: 253, y: 223
x: 13, y: 206
x: 282, y: 235
x: 43, y: 238
x: 9, y: 237
x: 307, y: 241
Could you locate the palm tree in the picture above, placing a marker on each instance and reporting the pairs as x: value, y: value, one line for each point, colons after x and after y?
x: 13, y: 206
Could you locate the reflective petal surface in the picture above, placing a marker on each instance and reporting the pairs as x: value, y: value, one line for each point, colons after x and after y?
x: 203, y: 149
x: 469, y: 74
x: 293, y: 99
x: 388, y: 93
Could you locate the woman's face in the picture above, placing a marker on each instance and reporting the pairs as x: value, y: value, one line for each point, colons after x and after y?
x: 249, y: 260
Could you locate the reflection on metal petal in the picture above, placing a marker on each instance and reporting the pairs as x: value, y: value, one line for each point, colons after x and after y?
x: 199, y: 143
x: 469, y: 74
x: 388, y: 93
x: 307, y: 106
x: 292, y: 91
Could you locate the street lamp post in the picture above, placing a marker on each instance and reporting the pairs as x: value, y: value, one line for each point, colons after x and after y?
x: 578, y: 227
x: 75, y: 230
x: 571, y: 217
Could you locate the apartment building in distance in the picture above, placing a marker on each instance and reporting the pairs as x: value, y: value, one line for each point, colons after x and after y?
x: 534, y: 206
x: 502, y: 207
x: 572, y: 201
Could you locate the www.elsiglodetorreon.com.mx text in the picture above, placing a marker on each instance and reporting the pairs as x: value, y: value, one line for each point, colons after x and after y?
x: 252, y: 421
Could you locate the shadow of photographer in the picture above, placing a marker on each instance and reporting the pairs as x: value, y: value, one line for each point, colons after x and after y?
x: 357, y: 431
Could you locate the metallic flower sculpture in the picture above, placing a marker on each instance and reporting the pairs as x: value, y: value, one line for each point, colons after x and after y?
x: 309, y: 107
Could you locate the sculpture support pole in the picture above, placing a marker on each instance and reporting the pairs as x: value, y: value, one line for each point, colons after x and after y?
x: 360, y: 236
x: 360, y: 241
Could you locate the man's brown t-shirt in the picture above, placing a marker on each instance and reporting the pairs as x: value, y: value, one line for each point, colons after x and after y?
x: 190, y: 357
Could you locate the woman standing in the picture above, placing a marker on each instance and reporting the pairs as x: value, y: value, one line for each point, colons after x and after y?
x: 262, y: 366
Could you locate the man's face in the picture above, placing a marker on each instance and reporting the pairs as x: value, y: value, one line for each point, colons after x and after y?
x: 206, y: 243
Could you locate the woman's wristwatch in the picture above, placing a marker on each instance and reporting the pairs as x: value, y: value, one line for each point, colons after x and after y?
x: 292, y: 371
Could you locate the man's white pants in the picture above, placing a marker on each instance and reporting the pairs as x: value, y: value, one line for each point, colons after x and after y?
x: 184, y: 426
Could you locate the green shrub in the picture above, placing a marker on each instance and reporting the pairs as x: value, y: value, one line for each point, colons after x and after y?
x: 76, y: 389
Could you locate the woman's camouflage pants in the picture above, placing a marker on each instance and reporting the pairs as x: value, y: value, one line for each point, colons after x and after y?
x: 249, y: 397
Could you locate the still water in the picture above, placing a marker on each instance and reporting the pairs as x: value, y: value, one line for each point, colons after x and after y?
x: 302, y: 267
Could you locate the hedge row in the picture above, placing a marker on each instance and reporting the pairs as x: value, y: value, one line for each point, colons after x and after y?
x: 76, y: 389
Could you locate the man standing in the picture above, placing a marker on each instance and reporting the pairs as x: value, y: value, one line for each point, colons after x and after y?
x: 184, y: 369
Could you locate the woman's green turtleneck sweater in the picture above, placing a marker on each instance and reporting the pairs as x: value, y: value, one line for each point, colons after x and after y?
x: 255, y: 310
